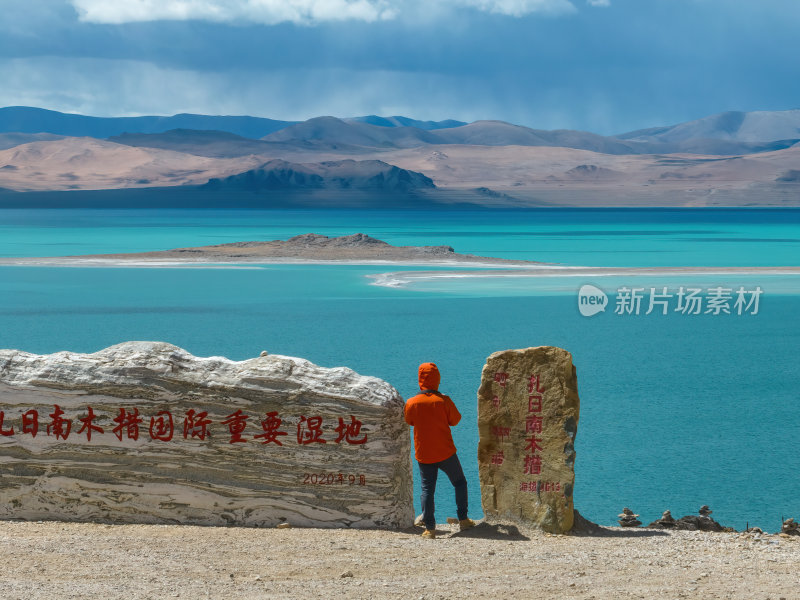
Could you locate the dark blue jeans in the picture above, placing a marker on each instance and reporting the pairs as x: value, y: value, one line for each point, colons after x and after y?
x: 428, y: 474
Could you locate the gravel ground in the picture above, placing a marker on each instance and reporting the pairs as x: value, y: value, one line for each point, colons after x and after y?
x: 79, y: 560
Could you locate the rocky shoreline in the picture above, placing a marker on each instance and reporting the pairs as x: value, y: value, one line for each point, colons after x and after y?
x: 699, y: 522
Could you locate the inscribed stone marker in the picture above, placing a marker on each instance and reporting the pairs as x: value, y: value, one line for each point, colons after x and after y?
x: 528, y: 412
x: 144, y: 432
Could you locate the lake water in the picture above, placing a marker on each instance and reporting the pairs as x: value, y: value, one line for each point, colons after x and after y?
x: 677, y: 410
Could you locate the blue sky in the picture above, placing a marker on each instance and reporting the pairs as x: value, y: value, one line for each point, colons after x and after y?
x: 600, y: 65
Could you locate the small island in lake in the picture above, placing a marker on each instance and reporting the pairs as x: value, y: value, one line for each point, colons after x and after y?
x: 309, y: 247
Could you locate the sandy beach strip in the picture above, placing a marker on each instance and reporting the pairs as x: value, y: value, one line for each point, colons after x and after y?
x: 210, y: 262
x: 77, y: 560
x: 448, y: 269
x: 406, y: 278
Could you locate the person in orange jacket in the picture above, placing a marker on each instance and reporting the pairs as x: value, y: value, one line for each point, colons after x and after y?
x: 431, y: 414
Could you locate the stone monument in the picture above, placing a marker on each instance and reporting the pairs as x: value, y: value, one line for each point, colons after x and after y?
x: 527, y: 421
x: 144, y: 432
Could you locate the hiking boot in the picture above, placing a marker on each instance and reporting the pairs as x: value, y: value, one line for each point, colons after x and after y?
x: 429, y: 534
x: 465, y: 524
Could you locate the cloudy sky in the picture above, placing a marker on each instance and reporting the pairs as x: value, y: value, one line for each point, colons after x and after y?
x: 601, y: 65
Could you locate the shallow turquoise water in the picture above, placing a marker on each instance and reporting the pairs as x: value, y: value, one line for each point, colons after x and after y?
x: 676, y: 410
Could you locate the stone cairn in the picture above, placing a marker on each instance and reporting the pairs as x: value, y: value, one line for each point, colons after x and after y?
x: 699, y: 522
x: 790, y: 527
x: 665, y: 522
x: 753, y: 530
x: 628, y: 519
x: 703, y: 522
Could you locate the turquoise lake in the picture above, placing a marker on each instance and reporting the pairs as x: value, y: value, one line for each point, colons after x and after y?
x: 677, y: 410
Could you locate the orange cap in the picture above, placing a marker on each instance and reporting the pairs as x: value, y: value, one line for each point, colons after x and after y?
x: 429, y: 376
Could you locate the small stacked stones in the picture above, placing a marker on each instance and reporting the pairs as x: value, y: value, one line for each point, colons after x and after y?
x: 790, y: 527
x: 754, y: 530
x: 665, y: 522
x: 703, y: 522
x: 628, y: 519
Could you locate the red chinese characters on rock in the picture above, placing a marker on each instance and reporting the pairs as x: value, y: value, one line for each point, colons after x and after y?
x: 501, y: 379
x: 533, y: 424
x: 533, y: 464
x: 271, y: 426
x: 59, y: 426
x: 30, y: 422
x: 237, y: 423
x: 501, y: 433
x: 127, y: 424
x: 196, y: 425
x: 533, y: 444
x: 349, y: 432
x: 162, y: 427
x: 540, y: 486
x: 534, y: 385
x: 309, y: 431
x: 88, y: 425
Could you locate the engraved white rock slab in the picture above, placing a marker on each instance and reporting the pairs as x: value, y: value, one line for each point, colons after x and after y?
x: 174, y: 438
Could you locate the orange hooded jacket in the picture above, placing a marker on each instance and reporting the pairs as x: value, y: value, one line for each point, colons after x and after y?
x: 431, y: 414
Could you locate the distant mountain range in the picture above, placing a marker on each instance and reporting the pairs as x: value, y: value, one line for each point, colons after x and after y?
x: 728, y: 133
x: 780, y: 132
x: 25, y: 119
x: 749, y: 127
x: 738, y: 158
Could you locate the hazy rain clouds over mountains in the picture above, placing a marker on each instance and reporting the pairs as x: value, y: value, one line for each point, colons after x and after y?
x: 456, y: 102
x: 601, y: 66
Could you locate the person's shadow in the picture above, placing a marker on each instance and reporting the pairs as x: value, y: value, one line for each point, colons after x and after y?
x: 482, y: 530
x: 493, y: 531
x: 505, y: 531
x: 509, y: 532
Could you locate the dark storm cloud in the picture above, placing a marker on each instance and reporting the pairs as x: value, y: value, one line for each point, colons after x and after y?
x: 608, y: 69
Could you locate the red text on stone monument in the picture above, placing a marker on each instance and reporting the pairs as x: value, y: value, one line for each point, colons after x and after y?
x: 349, y: 432
x: 88, y: 427
x: 236, y: 422
x: 309, y: 430
x: 271, y: 426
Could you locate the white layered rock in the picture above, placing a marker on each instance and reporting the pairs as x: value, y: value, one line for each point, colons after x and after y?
x: 318, y: 447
